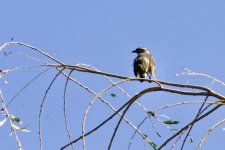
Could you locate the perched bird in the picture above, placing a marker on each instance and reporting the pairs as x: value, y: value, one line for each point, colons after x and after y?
x: 144, y: 63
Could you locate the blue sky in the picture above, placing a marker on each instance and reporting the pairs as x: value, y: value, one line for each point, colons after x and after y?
x: 103, y: 33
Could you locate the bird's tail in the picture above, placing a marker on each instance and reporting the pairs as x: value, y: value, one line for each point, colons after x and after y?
x: 142, y: 76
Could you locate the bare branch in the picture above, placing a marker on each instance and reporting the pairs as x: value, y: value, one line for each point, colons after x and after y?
x: 41, y: 108
x: 157, y: 85
x: 10, y: 121
x: 153, y: 89
x: 192, y: 73
x: 33, y: 48
x: 23, y: 88
x: 208, y: 132
x: 129, y: 146
x: 185, y: 127
x: 64, y: 109
x: 97, y: 127
x: 121, y: 89
x: 191, y: 126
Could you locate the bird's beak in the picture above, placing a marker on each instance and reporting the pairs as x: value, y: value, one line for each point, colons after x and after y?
x: 134, y: 51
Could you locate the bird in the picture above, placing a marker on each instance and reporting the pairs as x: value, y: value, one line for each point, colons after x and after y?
x: 144, y: 63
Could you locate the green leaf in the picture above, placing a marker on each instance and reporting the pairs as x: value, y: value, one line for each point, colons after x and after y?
x: 15, y: 119
x: 171, y: 122
x: 3, y: 122
x: 113, y: 94
x: 23, y: 129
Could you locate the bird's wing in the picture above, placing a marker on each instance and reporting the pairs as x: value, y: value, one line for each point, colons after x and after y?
x: 135, y: 67
x: 151, y: 69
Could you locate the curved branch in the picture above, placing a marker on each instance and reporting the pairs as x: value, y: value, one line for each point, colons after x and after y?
x: 23, y: 88
x: 199, y: 91
x: 96, y: 128
x: 153, y: 89
x: 89, y: 106
x: 41, y: 107
x: 159, y: 82
x: 209, y: 131
x: 185, y: 127
x: 64, y: 109
x: 198, y: 114
x: 31, y: 47
x: 2, y: 101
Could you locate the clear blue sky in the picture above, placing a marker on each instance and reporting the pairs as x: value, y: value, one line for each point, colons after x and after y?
x: 103, y: 33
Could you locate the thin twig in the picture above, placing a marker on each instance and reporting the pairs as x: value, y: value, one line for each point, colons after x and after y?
x: 33, y: 48
x: 166, y: 90
x: 10, y: 121
x: 203, y: 92
x: 131, y: 140
x: 33, y: 58
x: 23, y: 88
x: 192, y: 73
x: 185, y: 127
x: 23, y: 67
x: 182, y: 103
x: 64, y: 109
x: 208, y: 132
x: 89, y: 106
x: 153, y: 89
x: 179, y: 137
x: 130, y: 102
x: 121, y: 89
x: 191, y: 126
x: 97, y: 127
x: 105, y: 102
x: 41, y: 108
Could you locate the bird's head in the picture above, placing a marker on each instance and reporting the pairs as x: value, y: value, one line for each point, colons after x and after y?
x: 140, y: 50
